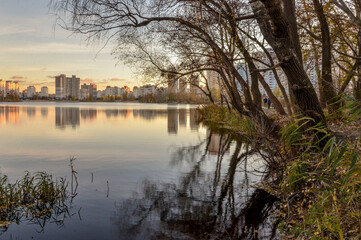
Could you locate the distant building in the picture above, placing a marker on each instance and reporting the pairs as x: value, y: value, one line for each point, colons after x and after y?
x: 213, y: 80
x: 146, y: 90
x: 67, y: 87
x: 100, y: 94
x: 172, y: 82
x: 88, y: 90
x: 125, y: 90
x: 12, y: 87
x: 182, y: 83
x: 194, y: 85
x: 135, y: 92
x: 111, y: 91
x: 31, y: 91
x: 24, y: 93
x: 44, y: 92
x: 2, y: 88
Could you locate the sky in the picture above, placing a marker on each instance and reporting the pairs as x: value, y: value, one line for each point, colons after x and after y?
x: 33, y: 49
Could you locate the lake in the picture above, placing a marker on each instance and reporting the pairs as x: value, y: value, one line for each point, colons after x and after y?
x: 144, y: 171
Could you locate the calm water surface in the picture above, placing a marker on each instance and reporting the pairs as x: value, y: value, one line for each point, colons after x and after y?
x: 145, y: 171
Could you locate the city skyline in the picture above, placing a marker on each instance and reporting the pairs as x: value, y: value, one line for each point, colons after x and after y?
x: 34, y: 50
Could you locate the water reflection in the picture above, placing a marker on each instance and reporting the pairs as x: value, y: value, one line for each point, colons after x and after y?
x: 172, y: 121
x: 116, y: 150
x: 182, y: 118
x: 31, y: 112
x: 149, y: 114
x: 10, y: 115
x: 215, y: 199
x: 38, y: 199
x: 217, y: 143
x: 125, y: 113
x: 67, y: 116
x: 88, y: 114
x: 44, y: 112
x: 193, y: 120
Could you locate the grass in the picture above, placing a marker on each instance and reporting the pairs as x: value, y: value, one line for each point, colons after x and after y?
x: 37, y: 198
x: 319, y: 179
x: 221, y: 118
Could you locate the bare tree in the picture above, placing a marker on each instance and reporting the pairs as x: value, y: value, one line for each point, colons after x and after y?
x: 275, y: 23
x: 185, y: 34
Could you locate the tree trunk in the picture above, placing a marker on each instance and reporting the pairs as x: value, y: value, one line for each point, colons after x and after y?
x: 256, y: 76
x: 327, y: 86
x: 357, y: 84
x: 275, y: 28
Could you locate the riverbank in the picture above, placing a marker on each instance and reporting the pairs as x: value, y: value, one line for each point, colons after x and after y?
x: 319, y: 188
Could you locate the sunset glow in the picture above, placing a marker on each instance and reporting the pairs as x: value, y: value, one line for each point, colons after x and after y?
x: 33, y: 49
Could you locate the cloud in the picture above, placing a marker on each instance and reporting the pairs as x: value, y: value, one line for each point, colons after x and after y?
x: 108, y: 81
x: 50, y: 76
x: 118, y: 79
x: 43, y: 83
x: 15, y: 29
x: 17, y: 77
x: 21, y: 81
x: 104, y: 81
x: 87, y: 80
x: 51, y: 47
x: 55, y: 48
x: 96, y: 81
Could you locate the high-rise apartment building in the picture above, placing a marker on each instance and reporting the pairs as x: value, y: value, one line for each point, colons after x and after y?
x: 12, y: 87
x: 194, y: 85
x: 213, y: 80
x: 88, y: 90
x: 182, y: 83
x: 44, y: 92
x: 31, y: 91
x: 146, y: 90
x: 67, y: 87
x: 135, y: 92
x: 172, y: 82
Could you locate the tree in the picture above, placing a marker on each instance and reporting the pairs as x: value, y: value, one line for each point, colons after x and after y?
x: 277, y: 26
x: 186, y: 34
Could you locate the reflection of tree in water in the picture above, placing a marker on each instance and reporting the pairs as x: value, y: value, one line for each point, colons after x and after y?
x: 214, y: 200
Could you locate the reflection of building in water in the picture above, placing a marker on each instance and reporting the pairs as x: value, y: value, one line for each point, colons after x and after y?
x: 31, y: 112
x: 9, y: 115
x: 88, y: 114
x: 117, y: 113
x: 44, y: 112
x: 217, y: 143
x: 182, y: 117
x: 172, y: 121
x: 149, y: 114
x: 193, y: 119
x: 67, y: 117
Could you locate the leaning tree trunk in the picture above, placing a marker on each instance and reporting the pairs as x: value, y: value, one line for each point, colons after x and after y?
x: 327, y: 86
x: 357, y: 85
x: 256, y: 76
x: 274, y: 26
